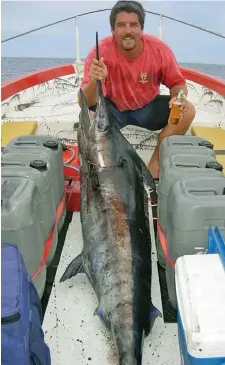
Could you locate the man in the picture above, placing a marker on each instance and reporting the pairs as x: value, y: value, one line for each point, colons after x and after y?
x: 131, y: 67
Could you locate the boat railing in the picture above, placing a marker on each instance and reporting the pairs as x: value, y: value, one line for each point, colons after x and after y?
x: 76, y: 18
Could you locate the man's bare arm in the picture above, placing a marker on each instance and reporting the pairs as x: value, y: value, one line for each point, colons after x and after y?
x: 176, y: 88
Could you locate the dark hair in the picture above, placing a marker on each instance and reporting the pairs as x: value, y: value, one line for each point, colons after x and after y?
x: 128, y: 7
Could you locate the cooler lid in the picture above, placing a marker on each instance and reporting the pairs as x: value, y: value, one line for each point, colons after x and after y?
x: 200, y: 286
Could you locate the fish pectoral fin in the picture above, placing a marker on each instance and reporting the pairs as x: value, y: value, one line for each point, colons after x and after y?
x: 75, y: 267
x: 153, y: 314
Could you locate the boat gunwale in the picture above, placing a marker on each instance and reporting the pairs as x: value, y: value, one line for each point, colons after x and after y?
x: 16, y: 85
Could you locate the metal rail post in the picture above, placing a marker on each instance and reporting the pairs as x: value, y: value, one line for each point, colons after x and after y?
x: 77, y: 40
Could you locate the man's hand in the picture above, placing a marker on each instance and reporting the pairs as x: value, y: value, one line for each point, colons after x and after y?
x: 184, y: 106
x: 98, y: 70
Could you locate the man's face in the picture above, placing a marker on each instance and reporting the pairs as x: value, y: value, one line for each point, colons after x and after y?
x: 127, y: 31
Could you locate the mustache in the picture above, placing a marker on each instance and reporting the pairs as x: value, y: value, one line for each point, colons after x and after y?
x: 128, y: 36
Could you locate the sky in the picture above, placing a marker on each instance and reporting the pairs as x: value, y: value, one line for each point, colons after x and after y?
x: 188, y: 44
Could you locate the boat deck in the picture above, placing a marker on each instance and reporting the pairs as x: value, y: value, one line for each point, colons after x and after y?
x: 76, y: 336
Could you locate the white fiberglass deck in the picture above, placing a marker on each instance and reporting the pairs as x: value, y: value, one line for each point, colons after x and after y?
x: 76, y: 336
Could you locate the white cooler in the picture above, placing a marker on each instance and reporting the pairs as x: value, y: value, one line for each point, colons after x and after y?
x: 200, y: 288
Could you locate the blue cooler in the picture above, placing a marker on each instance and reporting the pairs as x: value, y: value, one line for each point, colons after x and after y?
x: 200, y: 288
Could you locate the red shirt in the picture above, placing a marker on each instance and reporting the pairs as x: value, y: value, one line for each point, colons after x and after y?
x: 131, y: 84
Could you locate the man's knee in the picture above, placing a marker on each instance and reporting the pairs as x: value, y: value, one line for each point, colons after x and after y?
x: 161, y: 112
x: 187, y: 119
x: 190, y: 115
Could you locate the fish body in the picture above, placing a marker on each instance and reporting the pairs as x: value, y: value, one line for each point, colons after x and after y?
x: 116, y: 255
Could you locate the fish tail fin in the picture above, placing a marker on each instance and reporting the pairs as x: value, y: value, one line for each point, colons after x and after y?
x: 75, y: 267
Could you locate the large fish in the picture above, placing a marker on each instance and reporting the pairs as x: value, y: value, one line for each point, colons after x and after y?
x: 116, y: 255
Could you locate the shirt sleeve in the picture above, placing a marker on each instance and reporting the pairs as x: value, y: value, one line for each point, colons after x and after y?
x: 171, y: 74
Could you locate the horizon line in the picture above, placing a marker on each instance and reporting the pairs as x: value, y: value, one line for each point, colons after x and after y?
x: 83, y: 59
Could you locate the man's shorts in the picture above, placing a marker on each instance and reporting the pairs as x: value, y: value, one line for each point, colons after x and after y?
x: 153, y: 116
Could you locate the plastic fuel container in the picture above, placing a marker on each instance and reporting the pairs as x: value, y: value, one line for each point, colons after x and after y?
x: 12, y: 169
x: 187, y: 228
x: 176, y: 167
x: 52, y: 147
x: 21, y: 224
x: 184, y: 144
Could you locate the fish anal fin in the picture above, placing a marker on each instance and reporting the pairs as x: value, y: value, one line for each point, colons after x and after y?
x: 75, y: 267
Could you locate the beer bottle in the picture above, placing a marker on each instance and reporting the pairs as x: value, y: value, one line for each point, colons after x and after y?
x: 175, y: 111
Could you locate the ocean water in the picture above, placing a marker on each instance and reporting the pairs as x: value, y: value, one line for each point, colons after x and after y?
x: 19, y: 66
